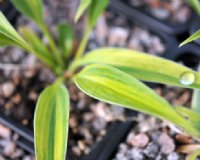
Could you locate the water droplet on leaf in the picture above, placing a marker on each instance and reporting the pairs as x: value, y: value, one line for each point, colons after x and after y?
x: 187, y: 78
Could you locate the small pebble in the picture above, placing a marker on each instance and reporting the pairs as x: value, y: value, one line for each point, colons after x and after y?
x: 173, y: 156
x: 7, y: 89
x: 9, y: 148
x: 117, y: 36
x: 136, y: 154
x: 151, y: 150
x: 139, y: 141
x: 5, y: 132
x: 166, y: 143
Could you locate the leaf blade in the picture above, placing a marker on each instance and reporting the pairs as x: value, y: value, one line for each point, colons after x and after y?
x: 95, y: 10
x: 66, y: 37
x: 40, y: 50
x: 110, y: 85
x: 9, y: 35
x: 51, y: 122
x: 96, y: 78
x: 84, y: 4
x: 195, y: 4
x: 140, y: 65
x: 30, y: 8
x: 194, y: 37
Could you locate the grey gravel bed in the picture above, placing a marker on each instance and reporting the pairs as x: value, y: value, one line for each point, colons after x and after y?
x: 115, y: 30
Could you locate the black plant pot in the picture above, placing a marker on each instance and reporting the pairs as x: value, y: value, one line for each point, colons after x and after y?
x: 189, y: 55
x: 144, y: 17
x: 10, y: 12
x: 140, y: 19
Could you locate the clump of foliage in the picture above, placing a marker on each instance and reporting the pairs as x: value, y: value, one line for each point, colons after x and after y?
x: 109, y: 74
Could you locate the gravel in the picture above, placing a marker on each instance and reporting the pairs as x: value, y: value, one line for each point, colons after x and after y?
x: 174, y: 11
x: 23, y: 77
x: 116, y: 31
x: 8, y: 147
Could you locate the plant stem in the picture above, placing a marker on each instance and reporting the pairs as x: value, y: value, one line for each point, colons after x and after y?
x: 83, y: 44
x: 81, y: 50
x: 52, y: 45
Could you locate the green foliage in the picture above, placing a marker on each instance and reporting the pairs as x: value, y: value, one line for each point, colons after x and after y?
x: 84, y: 4
x: 195, y: 4
x: 95, y: 9
x: 51, y: 123
x: 194, y: 37
x: 140, y: 65
x: 39, y: 48
x: 30, y: 8
x: 66, y: 37
x: 108, y: 74
x: 9, y: 36
x: 194, y: 155
x: 113, y: 86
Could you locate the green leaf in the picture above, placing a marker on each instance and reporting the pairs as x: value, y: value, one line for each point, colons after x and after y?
x: 31, y: 8
x: 51, y: 123
x: 113, y: 86
x: 196, y: 5
x: 5, y: 41
x: 66, y: 37
x: 192, y: 115
x: 9, y: 36
x: 95, y: 10
x: 194, y: 37
x: 84, y: 4
x: 143, y: 66
x: 39, y: 48
x: 194, y: 155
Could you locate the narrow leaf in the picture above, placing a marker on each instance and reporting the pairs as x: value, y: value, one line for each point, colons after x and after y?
x: 6, y: 41
x: 40, y: 49
x: 84, y: 4
x: 193, y: 117
x: 190, y: 114
x: 113, y: 86
x: 30, y: 8
x: 194, y: 155
x: 95, y: 10
x: 144, y: 66
x: 9, y: 36
x: 66, y: 37
x: 51, y: 123
x: 194, y: 37
x: 196, y: 5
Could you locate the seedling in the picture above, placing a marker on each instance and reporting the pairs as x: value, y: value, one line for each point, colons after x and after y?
x: 109, y: 74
